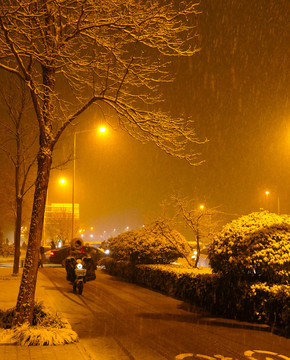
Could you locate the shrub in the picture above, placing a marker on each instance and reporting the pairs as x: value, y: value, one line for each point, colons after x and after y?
x: 257, y: 302
x: 152, y: 244
x: 47, y: 329
x: 41, y: 317
x: 271, y: 306
x: 255, y: 247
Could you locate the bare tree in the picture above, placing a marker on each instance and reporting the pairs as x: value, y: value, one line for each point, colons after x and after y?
x: 18, y: 145
x: 58, y: 227
x: 202, y: 221
x: 72, y: 54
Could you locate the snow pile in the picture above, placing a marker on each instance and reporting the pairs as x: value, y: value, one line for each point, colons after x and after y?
x: 47, y: 329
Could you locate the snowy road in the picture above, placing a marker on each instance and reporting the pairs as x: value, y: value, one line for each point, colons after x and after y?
x: 118, y: 320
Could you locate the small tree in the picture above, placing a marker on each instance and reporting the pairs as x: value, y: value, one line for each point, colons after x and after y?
x: 59, y: 228
x: 156, y: 243
x: 201, y: 221
x: 18, y: 143
x: 255, y: 247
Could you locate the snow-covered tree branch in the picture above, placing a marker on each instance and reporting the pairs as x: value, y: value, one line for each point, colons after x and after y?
x: 71, y: 54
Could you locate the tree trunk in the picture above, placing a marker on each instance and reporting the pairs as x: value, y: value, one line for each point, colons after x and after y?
x: 197, y: 247
x: 25, y: 300
x: 17, y: 234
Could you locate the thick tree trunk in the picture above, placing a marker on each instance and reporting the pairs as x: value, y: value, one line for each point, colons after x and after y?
x: 25, y: 300
x: 17, y: 234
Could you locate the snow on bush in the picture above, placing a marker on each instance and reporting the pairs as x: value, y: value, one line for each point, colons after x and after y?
x: 47, y: 329
x: 152, y: 244
x: 254, y: 247
x: 272, y: 305
x: 39, y: 335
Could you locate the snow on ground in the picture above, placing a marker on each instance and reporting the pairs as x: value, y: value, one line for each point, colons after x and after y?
x: 28, y: 335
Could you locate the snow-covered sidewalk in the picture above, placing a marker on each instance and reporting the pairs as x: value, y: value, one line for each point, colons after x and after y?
x: 9, y: 286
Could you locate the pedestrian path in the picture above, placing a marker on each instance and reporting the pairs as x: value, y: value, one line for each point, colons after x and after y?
x: 9, y: 286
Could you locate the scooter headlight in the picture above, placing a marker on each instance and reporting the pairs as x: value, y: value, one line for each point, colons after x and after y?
x: 79, y: 266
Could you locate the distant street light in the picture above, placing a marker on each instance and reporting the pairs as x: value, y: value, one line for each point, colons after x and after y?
x: 267, y: 193
x: 201, y: 207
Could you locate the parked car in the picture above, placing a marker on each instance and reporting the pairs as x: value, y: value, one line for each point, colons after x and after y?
x: 58, y: 255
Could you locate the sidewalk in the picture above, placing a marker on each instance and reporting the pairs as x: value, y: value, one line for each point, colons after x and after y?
x: 9, y: 286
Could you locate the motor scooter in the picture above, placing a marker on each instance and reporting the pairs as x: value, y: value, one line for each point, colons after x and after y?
x: 79, y: 266
x: 80, y: 276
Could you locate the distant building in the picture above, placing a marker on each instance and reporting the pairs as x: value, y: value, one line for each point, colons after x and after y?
x: 53, y: 210
x: 58, y: 222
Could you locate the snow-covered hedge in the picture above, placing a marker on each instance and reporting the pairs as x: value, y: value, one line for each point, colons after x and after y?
x: 247, y: 302
x: 255, y: 247
x: 152, y: 244
x: 271, y: 305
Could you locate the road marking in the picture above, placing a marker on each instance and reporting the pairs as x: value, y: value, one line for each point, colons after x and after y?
x: 183, y: 356
x: 249, y: 354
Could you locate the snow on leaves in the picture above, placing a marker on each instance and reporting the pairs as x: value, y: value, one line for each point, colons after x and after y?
x: 256, y: 246
x: 152, y: 244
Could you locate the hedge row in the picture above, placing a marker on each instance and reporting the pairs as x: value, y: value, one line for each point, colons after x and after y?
x: 220, y: 296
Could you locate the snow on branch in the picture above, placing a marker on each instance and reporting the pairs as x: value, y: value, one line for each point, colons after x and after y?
x: 72, y: 54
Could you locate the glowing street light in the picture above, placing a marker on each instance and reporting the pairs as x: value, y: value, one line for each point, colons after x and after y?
x: 102, y: 129
x: 267, y: 193
x: 201, y: 207
x: 62, y: 181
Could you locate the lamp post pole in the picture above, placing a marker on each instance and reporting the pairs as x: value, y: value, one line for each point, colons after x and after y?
x: 102, y: 129
x: 267, y: 199
x: 73, y: 187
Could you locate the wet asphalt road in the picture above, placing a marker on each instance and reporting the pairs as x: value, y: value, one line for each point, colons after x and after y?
x: 118, y: 320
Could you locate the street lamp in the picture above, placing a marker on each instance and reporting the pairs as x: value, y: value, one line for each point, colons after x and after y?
x: 102, y: 130
x: 267, y: 193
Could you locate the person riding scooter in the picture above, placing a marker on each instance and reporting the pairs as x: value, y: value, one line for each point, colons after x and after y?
x: 80, y: 267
